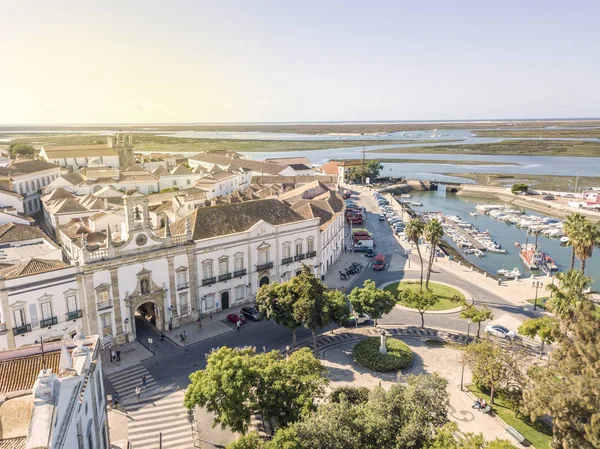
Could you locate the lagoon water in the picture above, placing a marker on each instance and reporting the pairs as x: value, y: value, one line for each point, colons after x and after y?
x: 505, y: 234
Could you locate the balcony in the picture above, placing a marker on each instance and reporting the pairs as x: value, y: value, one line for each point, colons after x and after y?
x: 209, y: 281
x: 264, y: 266
x: 2, y: 328
x: 311, y: 254
x: 298, y: 257
x: 183, y: 286
x: 104, y: 305
x: 224, y: 277
x: 22, y: 329
x: 73, y: 315
x: 48, y: 322
x: 287, y: 260
x: 239, y: 273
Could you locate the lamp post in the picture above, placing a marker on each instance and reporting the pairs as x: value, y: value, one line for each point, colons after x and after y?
x: 536, y: 285
x: 462, y: 373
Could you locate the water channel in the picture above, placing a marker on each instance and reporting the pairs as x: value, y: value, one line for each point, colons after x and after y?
x: 503, y: 233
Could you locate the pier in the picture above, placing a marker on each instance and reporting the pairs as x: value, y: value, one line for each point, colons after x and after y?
x: 463, y: 233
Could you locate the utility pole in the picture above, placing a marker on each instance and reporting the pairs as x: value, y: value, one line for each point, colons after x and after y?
x: 363, y: 165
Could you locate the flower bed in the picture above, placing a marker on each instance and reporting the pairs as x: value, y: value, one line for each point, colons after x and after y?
x: 366, y: 353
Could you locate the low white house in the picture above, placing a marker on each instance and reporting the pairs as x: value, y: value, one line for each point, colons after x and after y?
x: 221, y: 183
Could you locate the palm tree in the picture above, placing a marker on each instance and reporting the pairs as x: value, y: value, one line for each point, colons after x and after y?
x: 572, y: 228
x: 567, y: 296
x: 586, y: 238
x: 413, y: 232
x: 433, y: 233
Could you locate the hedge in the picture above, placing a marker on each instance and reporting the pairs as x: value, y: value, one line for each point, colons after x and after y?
x: 398, y: 357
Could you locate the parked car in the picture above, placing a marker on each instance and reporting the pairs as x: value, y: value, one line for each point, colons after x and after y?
x: 381, y: 217
x: 369, y: 252
x: 548, y: 197
x: 379, y: 262
x: 500, y: 331
x: 235, y: 317
x: 251, y: 313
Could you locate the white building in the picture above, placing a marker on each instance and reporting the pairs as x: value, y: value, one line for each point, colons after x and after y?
x: 301, y: 165
x: 180, y: 177
x: 55, y: 398
x: 117, y: 152
x: 222, y: 183
x: 19, y: 243
x: 21, y: 184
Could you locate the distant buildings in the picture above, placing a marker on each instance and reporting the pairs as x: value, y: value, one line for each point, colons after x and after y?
x: 52, y: 396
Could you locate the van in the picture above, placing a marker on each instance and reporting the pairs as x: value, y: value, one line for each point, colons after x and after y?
x: 363, y: 245
x: 379, y: 262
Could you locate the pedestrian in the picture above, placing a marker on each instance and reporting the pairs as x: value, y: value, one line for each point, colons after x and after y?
x: 162, y: 338
x: 138, y: 393
x: 113, y: 355
x: 184, y: 336
x: 144, y: 382
x: 264, y: 348
x: 199, y: 323
x: 118, y: 355
x: 238, y: 324
x: 210, y: 315
x: 116, y: 399
x: 181, y: 339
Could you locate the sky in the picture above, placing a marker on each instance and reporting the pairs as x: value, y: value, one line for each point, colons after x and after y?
x: 297, y: 60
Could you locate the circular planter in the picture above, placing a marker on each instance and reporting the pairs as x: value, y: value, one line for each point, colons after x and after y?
x: 366, y: 353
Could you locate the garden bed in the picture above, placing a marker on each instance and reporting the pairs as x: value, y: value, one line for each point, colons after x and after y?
x: 366, y: 353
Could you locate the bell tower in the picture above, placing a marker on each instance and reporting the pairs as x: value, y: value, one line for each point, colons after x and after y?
x: 137, y: 216
x: 123, y: 145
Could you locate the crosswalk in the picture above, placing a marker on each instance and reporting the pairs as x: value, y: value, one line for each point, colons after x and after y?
x: 158, y: 414
x: 161, y: 416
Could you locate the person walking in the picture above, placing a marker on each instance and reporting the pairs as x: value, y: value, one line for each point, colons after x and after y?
x: 138, y: 393
x: 184, y: 336
x: 144, y: 382
x: 113, y: 355
x: 118, y: 355
x: 162, y: 338
x: 238, y: 324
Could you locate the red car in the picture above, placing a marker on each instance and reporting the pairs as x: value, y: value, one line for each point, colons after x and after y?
x: 234, y: 318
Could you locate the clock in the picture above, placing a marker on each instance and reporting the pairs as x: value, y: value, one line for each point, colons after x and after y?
x: 141, y: 240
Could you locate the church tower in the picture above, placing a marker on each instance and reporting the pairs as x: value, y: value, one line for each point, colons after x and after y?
x: 123, y: 145
x: 137, y: 216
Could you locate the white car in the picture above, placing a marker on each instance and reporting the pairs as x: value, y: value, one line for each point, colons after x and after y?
x: 500, y: 331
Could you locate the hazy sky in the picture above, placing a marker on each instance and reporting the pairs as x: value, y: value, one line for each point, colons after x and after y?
x: 286, y: 60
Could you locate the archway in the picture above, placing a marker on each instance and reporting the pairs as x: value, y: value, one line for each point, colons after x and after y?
x: 148, y: 321
x: 263, y: 281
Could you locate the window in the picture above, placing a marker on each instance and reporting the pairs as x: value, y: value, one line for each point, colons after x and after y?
x: 181, y: 277
x: 287, y: 251
x: 223, y: 266
x: 103, y: 296
x: 298, y: 248
x: 183, y: 303
x: 239, y: 263
x: 311, y: 244
x: 46, y: 308
x: 174, y: 183
x: 263, y: 256
x: 207, y: 270
x: 210, y: 301
x: 105, y: 320
x: 239, y: 292
x: 150, y: 189
x: 189, y: 182
x: 19, y: 316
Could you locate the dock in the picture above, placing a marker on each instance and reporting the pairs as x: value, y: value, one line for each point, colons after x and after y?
x: 476, y: 244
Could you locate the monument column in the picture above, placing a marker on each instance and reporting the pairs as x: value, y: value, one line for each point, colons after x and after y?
x: 90, y: 305
x: 174, y: 322
x: 114, y: 282
x: 193, y: 280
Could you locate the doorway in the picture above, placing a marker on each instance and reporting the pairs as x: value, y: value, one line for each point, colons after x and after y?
x: 225, y: 300
x: 263, y: 281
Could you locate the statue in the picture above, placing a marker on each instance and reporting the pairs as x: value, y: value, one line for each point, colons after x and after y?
x: 144, y: 286
x: 383, y: 346
x: 137, y: 215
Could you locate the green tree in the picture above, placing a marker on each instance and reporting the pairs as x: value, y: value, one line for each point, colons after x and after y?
x: 237, y: 383
x: 433, y: 233
x: 586, y: 239
x: 414, y: 232
x: 519, y: 187
x: 276, y: 302
x: 315, y: 307
x: 371, y: 300
x: 568, y: 295
x: 477, y: 316
x: 20, y: 149
x: 372, y: 169
x: 421, y: 300
x: 493, y: 367
x: 568, y: 388
x: 572, y: 227
x: 450, y: 437
x: 545, y: 327
x: 250, y: 440
x: 354, y: 395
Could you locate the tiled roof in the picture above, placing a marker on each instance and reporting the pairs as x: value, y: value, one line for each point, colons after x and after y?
x: 23, y: 166
x: 214, y: 221
x: 300, y: 166
x: 13, y: 443
x: 13, y: 232
x: 259, y: 166
x: 101, y: 150
x: 21, y: 373
x: 330, y: 168
x: 73, y: 178
x: 298, y: 179
x: 181, y: 170
x: 65, y: 206
x: 32, y: 266
x: 57, y: 194
x: 160, y: 171
x: 290, y: 160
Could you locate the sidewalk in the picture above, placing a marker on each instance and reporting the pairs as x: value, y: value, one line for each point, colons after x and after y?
x: 131, y: 355
x: 332, y: 278
x: 211, y: 327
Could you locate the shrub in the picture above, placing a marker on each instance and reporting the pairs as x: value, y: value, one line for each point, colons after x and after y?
x: 366, y: 353
x: 354, y: 395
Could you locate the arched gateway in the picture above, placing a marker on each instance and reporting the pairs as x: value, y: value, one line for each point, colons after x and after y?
x: 148, y: 301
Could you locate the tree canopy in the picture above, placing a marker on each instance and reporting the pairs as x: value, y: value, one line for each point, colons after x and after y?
x: 238, y: 382
x: 422, y: 300
x: 545, y: 327
x: 276, y: 302
x: 477, y: 316
x: 20, y: 149
x: 519, y: 187
x: 371, y: 300
x: 450, y: 437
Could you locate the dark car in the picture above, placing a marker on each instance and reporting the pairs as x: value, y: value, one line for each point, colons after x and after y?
x: 234, y: 318
x: 251, y: 313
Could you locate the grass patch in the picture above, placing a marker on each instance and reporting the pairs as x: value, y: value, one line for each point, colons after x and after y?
x: 366, y: 353
x: 539, y: 434
x: 541, y: 305
x: 444, y: 292
x: 537, y: 182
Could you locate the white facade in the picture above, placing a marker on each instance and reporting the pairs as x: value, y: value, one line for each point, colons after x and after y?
x: 332, y: 242
x: 222, y: 184
x: 29, y: 186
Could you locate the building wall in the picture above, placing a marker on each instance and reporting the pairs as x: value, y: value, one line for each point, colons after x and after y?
x: 29, y: 186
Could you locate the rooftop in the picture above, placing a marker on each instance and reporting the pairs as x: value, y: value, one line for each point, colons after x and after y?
x: 32, y: 266
x: 25, y: 166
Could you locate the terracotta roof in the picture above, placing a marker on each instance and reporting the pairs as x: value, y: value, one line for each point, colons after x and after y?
x: 214, y: 221
x: 13, y: 232
x: 13, y: 443
x: 304, y: 190
x: 57, y: 194
x: 160, y: 171
x: 330, y: 168
x: 73, y: 178
x: 21, y: 373
x: 298, y: 179
x: 181, y: 170
x: 259, y: 166
x: 24, y: 166
x: 65, y: 206
x: 32, y: 266
x: 101, y: 150
x: 290, y: 160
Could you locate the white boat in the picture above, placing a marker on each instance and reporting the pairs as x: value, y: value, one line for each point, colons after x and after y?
x: 406, y: 196
x: 564, y: 239
x: 515, y: 273
x: 478, y: 253
x: 473, y: 214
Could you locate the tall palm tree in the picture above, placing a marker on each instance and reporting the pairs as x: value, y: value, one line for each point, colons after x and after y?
x: 413, y: 232
x: 586, y: 239
x: 572, y: 228
x: 568, y: 295
x: 433, y: 233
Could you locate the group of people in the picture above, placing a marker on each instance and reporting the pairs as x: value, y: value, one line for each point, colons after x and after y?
x: 115, y: 356
x: 479, y: 404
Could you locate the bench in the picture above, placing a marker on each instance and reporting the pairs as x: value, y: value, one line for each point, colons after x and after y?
x: 516, y: 435
x: 487, y: 409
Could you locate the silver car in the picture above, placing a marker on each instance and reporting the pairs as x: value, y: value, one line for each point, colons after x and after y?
x: 500, y: 331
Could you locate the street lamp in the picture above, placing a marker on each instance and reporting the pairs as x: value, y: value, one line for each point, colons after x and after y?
x: 537, y: 285
x: 462, y: 374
